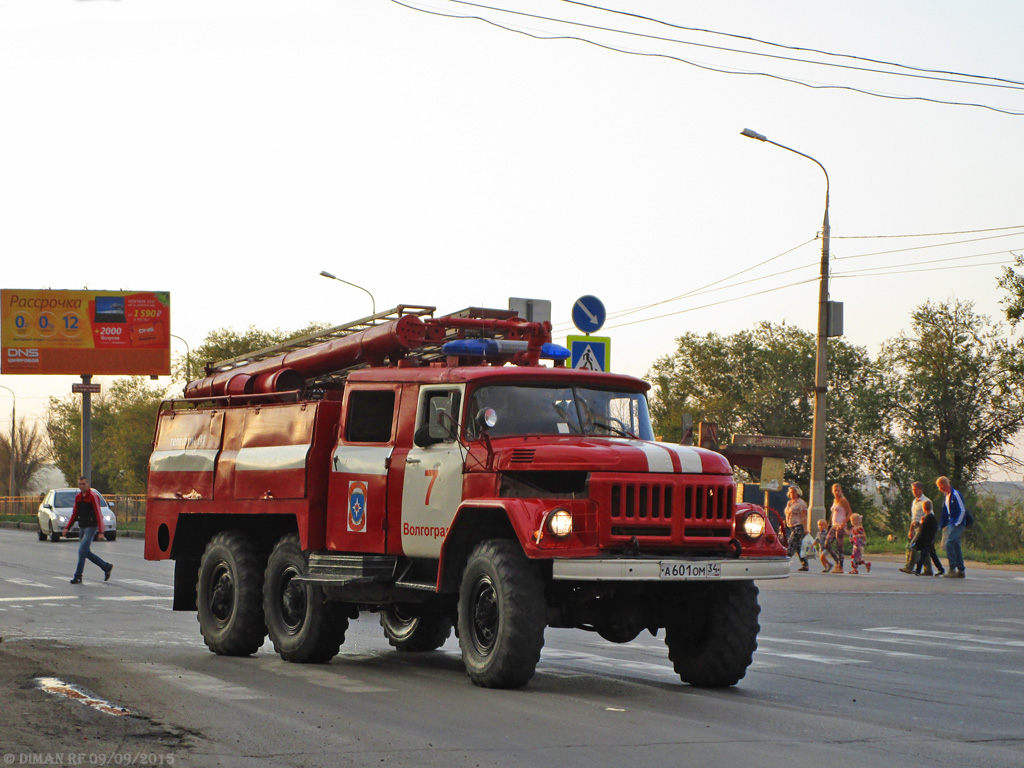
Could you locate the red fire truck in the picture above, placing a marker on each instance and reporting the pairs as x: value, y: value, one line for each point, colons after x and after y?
x: 448, y: 472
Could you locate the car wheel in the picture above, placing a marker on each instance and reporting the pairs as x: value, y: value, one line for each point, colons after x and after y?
x: 41, y: 533
x: 414, y: 632
x: 303, y: 627
x: 501, y: 615
x: 110, y: 535
x: 54, y: 535
x: 711, y: 640
x: 229, y: 595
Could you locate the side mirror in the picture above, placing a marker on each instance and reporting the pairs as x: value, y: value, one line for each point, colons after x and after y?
x: 423, y: 439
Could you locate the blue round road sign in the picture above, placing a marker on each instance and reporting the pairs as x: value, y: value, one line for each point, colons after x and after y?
x: 588, y: 314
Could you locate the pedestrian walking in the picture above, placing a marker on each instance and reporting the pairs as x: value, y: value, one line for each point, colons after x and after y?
x: 916, y: 515
x: 796, y: 524
x: 819, y: 545
x: 859, y: 539
x: 841, y: 512
x: 952, y: 523
x: 926, y: 540
x: 90, y: 525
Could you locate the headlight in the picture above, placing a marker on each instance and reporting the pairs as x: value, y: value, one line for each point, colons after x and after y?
x: 560, y: 523
x: 753, y: 526
x: 61, y: 519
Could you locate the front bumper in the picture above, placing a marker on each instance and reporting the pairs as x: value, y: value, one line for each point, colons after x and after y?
x: 681, y: 569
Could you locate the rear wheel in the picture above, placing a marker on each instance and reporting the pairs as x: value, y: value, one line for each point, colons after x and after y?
x: 711, y: 639
x: 229, y: 595
x: 302, y: 625
x: 414, y: 632
x: 501, y: 615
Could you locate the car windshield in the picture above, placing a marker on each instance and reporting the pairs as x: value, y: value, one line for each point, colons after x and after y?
x: 526, y: 410
x: 67, y: 499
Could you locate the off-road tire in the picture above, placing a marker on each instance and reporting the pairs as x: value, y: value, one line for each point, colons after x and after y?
x: 414, y: 633
x: 711, y: 641
x: 501, y: 615
x: 229, y: 595
x: 303, y: 627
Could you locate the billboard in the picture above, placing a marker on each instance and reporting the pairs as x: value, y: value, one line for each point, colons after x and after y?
x: 85, y: 332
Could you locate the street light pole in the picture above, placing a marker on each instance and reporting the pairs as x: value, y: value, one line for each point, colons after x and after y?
x: 188, y: 357
x: 14, y: 423
x: 373, y: 301
x: 817, y: 501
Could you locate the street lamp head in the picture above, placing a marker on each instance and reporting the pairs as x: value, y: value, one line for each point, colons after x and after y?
x: 751, y: 134
x: 325, y: 273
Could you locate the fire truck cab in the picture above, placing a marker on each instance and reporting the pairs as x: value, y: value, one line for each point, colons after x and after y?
x: 441, y: 473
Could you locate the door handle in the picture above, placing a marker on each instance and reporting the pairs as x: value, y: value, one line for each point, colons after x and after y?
x: 411, y: 460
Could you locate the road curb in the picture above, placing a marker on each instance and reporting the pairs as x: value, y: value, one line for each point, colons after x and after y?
x: 121, y: 534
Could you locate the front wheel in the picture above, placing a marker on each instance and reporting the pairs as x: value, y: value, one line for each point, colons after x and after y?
x: 54, y: 535
x: 414, y: 632
x: 110, y: 535
x: 303, y: 626
x: 229, y: 595
x: 712, y: 637
x: 501, y: 615
x: 41, y: 533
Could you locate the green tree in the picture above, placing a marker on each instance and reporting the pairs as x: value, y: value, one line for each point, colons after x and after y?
x: 954, y: 395
x: 1013, y: 282
x: 28, y: 455
x: 122, y: 434
x: 226, y: 343
x: 761, y: 381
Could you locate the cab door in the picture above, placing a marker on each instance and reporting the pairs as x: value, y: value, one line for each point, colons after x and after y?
x: 357, y: 501
x: 433, y: 472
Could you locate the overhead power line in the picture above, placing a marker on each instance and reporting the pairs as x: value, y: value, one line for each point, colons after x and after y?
x: 706, y: 67
x: 760, y: 41
x: 927, y: 234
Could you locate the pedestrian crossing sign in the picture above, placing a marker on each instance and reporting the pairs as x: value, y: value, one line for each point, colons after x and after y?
x: 590, y: 353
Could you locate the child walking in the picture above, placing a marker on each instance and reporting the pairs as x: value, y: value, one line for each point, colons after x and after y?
x: 859, y: 538
x: 819, y: 544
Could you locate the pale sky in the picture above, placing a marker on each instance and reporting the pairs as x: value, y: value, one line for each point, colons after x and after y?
x: 228, y: 150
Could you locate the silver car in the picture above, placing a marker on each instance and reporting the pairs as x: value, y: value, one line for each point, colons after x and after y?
x: 56, y: 509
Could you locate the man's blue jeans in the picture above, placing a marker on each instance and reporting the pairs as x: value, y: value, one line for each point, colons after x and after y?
x: 86, y: 535
x: 951, y: 541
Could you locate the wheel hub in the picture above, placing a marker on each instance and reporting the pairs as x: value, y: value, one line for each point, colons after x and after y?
x: 485, y: 615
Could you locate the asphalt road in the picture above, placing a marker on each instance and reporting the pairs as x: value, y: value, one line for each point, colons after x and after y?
x: 880, y: 669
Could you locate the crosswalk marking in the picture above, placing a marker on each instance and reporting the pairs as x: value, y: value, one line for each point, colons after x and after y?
x: 146, y: 584
x: 36, y: 599
x: 915, y: 638
x: 851, y: 648
x: 962, y: 637
x: 27, y: 583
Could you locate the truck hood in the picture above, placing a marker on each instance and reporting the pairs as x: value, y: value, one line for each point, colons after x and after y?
x: 604, y: 454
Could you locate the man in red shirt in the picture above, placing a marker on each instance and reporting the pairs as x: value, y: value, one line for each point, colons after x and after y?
x: 90, y: 523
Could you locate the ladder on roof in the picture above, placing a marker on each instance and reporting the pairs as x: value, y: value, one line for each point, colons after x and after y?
x: 320, y: 337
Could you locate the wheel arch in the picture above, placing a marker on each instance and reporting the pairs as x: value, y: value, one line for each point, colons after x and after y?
x: 193, y: 533
x: 472, y: 524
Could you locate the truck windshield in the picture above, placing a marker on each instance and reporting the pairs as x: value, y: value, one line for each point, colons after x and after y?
x: 525, y: 410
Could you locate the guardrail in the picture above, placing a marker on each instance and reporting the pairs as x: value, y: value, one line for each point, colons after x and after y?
x: 128, y: 507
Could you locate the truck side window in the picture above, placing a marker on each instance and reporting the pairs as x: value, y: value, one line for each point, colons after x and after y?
x: 440, y: 415
x: 370, y: 416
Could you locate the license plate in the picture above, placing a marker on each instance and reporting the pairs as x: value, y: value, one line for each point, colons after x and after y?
x: 681, y: 570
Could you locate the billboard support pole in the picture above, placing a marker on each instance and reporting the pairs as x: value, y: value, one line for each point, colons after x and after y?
x: 87, y: 428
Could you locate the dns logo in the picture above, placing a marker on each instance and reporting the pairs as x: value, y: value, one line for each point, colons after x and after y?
x: 16, y: 355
